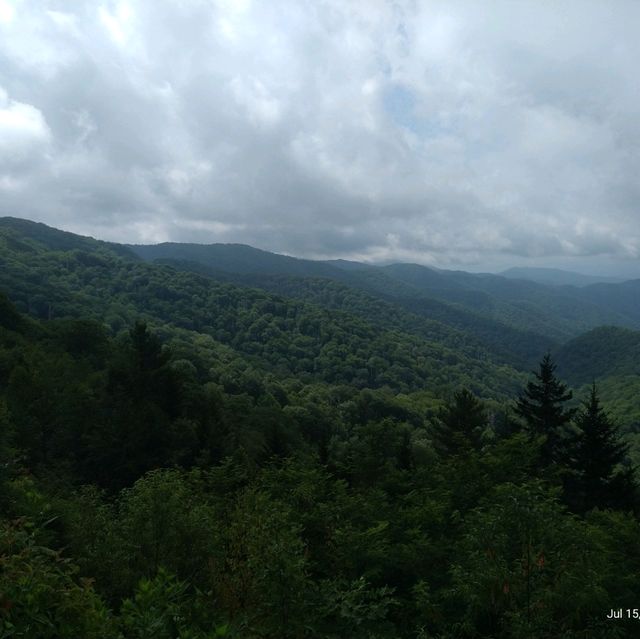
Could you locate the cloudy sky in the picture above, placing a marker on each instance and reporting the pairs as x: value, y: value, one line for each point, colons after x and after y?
x: 475, y: 134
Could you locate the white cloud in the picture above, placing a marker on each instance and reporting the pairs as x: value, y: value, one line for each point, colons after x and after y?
x: 117, y: 22
x: 23, y: 130
x: 438, y: 131
x: 7, y: 12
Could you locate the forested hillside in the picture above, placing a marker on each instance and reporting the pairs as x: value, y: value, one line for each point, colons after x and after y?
x: 277, y: 334
x: 610, y: 355
x: 287, y: 454
x: 556, y: 312
x: 604, y: 351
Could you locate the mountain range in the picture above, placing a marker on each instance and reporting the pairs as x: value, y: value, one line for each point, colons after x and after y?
x: 429, y: 328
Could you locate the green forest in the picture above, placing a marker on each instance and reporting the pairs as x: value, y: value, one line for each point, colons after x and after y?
x: 223, y: 442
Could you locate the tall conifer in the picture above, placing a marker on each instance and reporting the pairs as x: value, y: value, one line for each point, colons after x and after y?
x: 597, y: 455
x: 542, y: 406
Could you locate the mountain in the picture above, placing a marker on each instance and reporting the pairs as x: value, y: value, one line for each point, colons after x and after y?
x: 529, y: 307
x: 369, y: 292
x: 287, y: 336
x: 513, y: 319
x: 560, y: 313
x: 479, y: 317
x: 599, y: 353
x: 20, y: 235
x: 609, y: 356
x: 622, y: 299
x: 236, y: 258
x: 556, y: 277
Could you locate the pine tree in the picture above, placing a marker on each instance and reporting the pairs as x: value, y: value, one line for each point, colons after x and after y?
x: 461, y: 424
x: 542, y: 408
x: 597, y: 455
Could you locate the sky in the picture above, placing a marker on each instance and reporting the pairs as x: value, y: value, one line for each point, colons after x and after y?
x: 476, y: 135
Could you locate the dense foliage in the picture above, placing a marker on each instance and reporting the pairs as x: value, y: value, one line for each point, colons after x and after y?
x: 184, y: 458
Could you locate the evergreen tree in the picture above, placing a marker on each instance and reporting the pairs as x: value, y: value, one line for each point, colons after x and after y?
x: 597, y: 455
x: 542, y: 408
x: 461, y: 424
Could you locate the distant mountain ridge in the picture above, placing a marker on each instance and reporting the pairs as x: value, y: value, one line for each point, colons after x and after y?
x: 235, y: 258
x: 559, y: 314
x: 55, y: 239
x: 557, y: 277
x: 514, y: 318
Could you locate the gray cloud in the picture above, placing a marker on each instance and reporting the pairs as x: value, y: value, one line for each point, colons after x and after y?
x: 438, y: 132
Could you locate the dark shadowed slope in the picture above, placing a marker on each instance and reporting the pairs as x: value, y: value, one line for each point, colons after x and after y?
x: 599, y: 353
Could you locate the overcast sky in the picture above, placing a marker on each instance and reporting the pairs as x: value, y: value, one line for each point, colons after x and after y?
x: 482, y: 134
